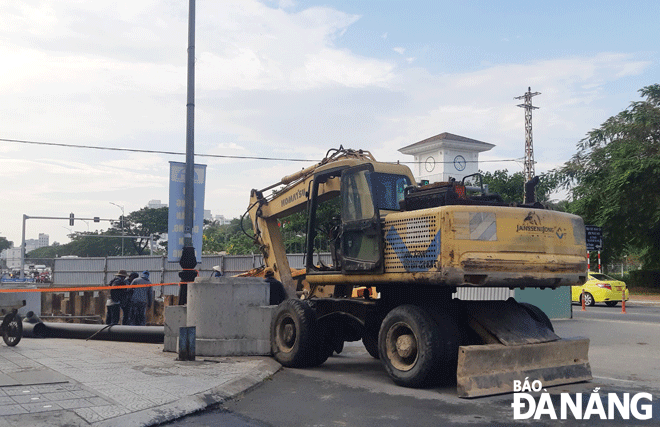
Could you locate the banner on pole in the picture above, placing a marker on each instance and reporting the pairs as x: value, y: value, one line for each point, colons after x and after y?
x: 176, y: 216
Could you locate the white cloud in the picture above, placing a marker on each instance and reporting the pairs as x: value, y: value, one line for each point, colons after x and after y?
x: 270, y: 81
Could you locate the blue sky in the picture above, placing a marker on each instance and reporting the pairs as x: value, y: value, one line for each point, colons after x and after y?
x: 293, y: 79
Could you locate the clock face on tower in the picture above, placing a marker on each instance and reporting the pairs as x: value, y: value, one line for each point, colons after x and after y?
x: 429, y: 164
x: 459, y: 163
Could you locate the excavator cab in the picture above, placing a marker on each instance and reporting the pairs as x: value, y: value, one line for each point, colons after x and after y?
x: 356, y: 240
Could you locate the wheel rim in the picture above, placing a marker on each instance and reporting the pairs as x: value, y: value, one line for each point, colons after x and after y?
x: 286, y: 334
x: 12, y: 333
x: 401, y: 346
x: 588, y: 299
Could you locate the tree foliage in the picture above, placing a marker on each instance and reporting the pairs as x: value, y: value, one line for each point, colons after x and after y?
x: 5, y: 244
x: 511, y: 187
x: 229, y: 238
x: 144, y: 222
x: 614, y: 179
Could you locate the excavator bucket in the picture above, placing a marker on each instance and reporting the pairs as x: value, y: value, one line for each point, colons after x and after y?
x: 518, y: 346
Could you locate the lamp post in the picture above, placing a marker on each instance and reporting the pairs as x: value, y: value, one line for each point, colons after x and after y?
x: 122, y: 226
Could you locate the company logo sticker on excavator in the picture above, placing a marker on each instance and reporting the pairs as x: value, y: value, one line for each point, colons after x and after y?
x: 532, y: 224
x: 292, y: 198
x: 415, y: 260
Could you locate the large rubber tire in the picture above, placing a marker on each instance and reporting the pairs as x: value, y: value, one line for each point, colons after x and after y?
x: 611, y: 303
x: 409, y: 346
x: 13, y: 331
x: 293, y: 335
x: 370, y: 341
x: 538, y: 315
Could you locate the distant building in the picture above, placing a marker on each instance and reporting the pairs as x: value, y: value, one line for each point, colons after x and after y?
x: 445, y: 156
x: 156, y: 204
x: 220, y: 219
x: 13, y: 257
x: 207, y: 215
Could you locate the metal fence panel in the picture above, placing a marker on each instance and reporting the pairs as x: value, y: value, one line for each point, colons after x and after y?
x: 138, y: 264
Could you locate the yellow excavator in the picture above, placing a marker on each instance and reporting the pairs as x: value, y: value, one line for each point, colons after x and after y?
x: 412, y: 246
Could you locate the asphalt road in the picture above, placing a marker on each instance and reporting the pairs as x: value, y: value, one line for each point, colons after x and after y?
x: 352, y: 389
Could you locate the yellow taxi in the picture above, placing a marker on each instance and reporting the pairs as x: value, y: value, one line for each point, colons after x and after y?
x: 600, y: 288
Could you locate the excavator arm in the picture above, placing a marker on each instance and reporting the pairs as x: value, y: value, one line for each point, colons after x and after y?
x: 291, y: 197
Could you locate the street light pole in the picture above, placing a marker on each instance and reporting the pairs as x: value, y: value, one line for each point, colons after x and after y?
x: 122, y: 226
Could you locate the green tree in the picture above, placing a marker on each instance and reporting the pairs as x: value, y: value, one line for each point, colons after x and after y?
x: 5, y: 244
x: 145, y: 222
x: 511, y: 187
x: 614, y: 179
x: 229, y: 238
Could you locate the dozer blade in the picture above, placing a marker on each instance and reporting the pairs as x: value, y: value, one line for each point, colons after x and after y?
x: 492, y: 368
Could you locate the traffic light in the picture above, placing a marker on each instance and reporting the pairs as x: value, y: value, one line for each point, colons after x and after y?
x: 71, y: 218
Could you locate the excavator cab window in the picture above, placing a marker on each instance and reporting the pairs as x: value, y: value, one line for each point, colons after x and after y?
x: 361, y: 238
x: 389, y: 190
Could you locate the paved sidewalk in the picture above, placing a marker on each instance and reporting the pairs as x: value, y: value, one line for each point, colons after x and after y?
x: 66, y: 382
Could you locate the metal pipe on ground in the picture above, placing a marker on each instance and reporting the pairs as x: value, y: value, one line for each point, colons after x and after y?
x: 125, y: 333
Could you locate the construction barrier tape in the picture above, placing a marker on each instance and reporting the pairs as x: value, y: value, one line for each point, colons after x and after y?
x: 96, y: 288
x: 90, y: 288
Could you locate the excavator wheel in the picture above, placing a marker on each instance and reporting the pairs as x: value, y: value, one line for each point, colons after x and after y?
x: 410, y: 346
x: 293, y: 335
x: 370, y: 341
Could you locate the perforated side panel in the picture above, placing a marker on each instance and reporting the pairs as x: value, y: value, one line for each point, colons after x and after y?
x: 411, y: 244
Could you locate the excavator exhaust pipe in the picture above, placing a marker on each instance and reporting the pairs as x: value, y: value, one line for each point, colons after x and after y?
x: 490, y: 369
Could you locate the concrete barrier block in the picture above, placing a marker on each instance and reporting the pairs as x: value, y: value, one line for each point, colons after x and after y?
x: 259, y: 320
x: 171, y: 344
x: 251, y: 292
x: 232, y: 316
x: 175, y: 318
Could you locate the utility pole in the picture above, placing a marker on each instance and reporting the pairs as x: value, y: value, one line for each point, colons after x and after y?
x: 531, y: 180
x: 188, y: 260
x: 529, y: 146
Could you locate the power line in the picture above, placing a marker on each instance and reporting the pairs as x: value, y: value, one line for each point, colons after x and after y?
x: 222, y: 156
x: 135, y: 150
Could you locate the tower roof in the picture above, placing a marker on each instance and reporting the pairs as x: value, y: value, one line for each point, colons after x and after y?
x: 446, y: 139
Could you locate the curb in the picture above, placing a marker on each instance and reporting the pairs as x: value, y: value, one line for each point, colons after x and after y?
x: 197, y: 402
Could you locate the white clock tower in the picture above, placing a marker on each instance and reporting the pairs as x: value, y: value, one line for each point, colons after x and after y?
x: 445, y: 156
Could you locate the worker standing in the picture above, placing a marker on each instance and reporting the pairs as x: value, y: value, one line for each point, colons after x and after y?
x: 142, y: 299
x: 112, y: 317
x: 125, y: 301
